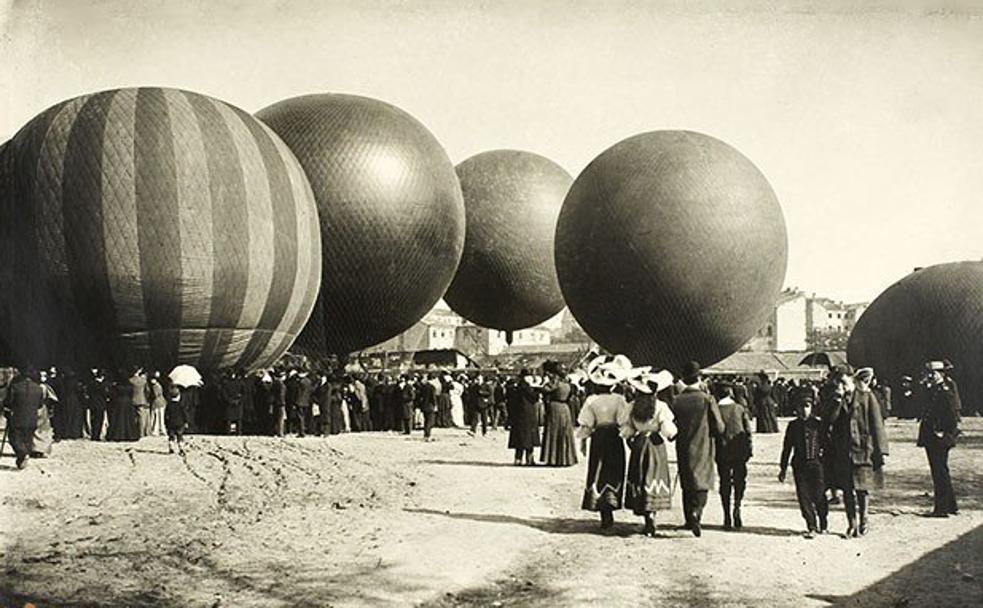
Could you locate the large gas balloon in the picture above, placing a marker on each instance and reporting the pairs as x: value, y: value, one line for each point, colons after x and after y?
x: 507, y: 277
x: 154, y: 226
x: 671, y: 247
x: 391, y: 213
x: 932, y: 314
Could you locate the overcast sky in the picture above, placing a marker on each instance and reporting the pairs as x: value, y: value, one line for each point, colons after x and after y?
x: 868, y: 123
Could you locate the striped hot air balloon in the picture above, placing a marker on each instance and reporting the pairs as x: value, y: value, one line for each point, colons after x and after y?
x: 154, y: 226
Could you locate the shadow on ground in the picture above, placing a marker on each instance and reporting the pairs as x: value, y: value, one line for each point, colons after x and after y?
x: 570, y: 525
x: 475, y: 463
x: 950, y: 576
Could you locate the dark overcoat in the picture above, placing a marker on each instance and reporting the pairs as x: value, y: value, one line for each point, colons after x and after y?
x: 857, y: 440
x: 698, y: 420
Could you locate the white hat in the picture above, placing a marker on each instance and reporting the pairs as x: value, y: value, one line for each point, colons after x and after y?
x: 608, y: 370
x: 644, y: 379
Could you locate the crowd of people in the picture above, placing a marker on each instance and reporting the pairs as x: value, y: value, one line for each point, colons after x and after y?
x: 836, y: 445
x: 623, y: 417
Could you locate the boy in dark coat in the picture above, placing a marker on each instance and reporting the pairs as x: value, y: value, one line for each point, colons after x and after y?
x: 733, y: 450
x: 804, y: 443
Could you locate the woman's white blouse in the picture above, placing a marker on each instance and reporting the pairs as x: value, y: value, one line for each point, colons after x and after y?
x: 600, y: 410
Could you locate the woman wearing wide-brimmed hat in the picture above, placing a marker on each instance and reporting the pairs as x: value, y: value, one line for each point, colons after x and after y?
x: 599, y: 420
x: 559, y: 447
x: 647, y: 425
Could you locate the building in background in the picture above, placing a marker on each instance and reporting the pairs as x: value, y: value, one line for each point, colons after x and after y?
x: 436, y: 331
x: 474, y: 340
x: 801, y: 321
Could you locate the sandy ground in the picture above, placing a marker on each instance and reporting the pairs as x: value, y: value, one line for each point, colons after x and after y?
x: 379, y: 519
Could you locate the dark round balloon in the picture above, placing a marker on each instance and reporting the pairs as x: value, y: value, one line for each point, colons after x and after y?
x: 507, y: 278
x: 392, y: 218
x: 933, y: 314
x: 671, y: 247
x: 154, y: 226
x: 6, y: 241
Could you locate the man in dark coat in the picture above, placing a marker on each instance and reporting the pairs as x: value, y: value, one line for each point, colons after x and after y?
x: 484, y: 395
x: 232, y: 393
x: 937, y: 433
x: 279, y: 392
x: 302, y: 394
x: 98, y: 399
x: 24, y: 398
x: 378, y: 395
x: 698, y: 420
x: 427, y: 402
x: 733, y: 450
x: 857, y: 445
x: 407, y: 397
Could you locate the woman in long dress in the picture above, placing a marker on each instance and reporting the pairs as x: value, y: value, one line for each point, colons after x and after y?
x: 158, y: 403
x: 559, y: 447
x: 764, y: 402
x: 523, y: 400
x: 44, y: 435
x: 457, y: 404
x: 444, y: 403
x: 857, y: 446
x: 647, y: 425
x: 599, y: 421
x: 123, y: 422
x: 71, y: 414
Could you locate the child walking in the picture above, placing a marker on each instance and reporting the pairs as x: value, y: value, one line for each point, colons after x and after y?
x: 803, y: 442
x: 175, y: 420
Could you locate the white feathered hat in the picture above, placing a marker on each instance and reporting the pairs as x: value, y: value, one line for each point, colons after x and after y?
x: 609, y: 370
x: 643, y: 379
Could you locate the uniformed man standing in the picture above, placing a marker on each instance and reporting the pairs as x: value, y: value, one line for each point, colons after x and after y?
x: 937, y: 433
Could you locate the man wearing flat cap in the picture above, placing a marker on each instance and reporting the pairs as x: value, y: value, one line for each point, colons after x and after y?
x: 698, y: 421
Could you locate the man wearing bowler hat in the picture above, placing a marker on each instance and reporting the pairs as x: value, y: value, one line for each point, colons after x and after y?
x: 698, y: 420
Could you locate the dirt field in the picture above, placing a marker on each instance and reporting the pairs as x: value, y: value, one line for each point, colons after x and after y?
x: 379, y: 519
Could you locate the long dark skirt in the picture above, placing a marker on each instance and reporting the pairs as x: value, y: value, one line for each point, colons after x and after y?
x: 123, y: 425
x: 524, y: 434
x: 559, y: 447
x: 766, y: 421
x: 444, y: 411
x: 605, y: 471
x: 69, y: 417
x: 648, y: 487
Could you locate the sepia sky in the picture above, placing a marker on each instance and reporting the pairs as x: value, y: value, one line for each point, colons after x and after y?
x: 867, y: 122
